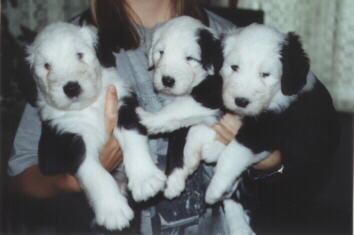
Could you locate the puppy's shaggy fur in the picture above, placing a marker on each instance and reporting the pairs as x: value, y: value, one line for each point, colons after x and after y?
x: 283, y: 106
x: 186, y: 57
x: 71, y: 93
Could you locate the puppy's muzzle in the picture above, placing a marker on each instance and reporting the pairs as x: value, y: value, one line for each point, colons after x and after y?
x: 168, y: 81
x: 241, y: 102
x: 72, y: 89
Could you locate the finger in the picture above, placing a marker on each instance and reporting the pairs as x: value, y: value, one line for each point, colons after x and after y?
x: 120, y: 156
x: 225, y: 132
x: 110, y: 109
x: 115, y: 150
x: 110, y: 144
x: 116, y: 159
x: 272, y: 161
x: 220, y: 134
x: 231, y: 122
x: 115, y: 145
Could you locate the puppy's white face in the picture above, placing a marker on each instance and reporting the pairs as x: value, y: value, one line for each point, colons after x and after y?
x: 175, y: 55
x: 252, y: 68
x: 65, y: 66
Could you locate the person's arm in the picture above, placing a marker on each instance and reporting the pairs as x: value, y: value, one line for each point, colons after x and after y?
x: 32, y: 183
x: 227, y: 129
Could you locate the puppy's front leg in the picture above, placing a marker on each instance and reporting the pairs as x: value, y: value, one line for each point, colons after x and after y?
x: 237, y: 219
x: 182, y: 112
x: 145, y: 179
x: 232, y: 162
x: 200, y: 140
x: 110, y: 206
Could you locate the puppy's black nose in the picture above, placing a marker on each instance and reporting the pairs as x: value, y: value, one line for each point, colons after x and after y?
x: 241, y: 102
x: 168, y: 81
x: 72, y: 89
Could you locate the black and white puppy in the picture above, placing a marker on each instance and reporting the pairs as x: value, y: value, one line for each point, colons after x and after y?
x: 71, y: 88
x: 186, y: 57
x: 283, y: 106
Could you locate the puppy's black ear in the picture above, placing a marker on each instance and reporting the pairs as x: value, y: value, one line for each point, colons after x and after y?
x: 295, y: 63
x: 26, y: 83
x: 105, y: 48
x: 211, y: 51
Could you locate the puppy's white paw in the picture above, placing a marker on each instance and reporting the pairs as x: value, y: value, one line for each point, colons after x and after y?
x: 215, y: 192
x: 175, y: 183
x: 149, y: 120
x: 198, y: 137
x: 113, y: 214
x: 211, y: 151
x: 237, y: 219
x: 147, y: 183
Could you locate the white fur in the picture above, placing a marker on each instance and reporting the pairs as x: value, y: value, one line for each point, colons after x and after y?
x: 144, y: 178
x: 85, y: 71
x: 198, y: 138
x: 232, y: 162
x: 255, y: 50
x: 237, y: 219
x: 211, y: 151
x: 184, y: 111
x: 242, y: 47
x: 172, y: 44
x: 176, y: 182
x: 175, y: 53
x: 57, y: 45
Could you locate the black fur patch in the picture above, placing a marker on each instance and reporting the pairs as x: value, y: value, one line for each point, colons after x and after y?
x: 176, y: 142
x: 307, y: 134
x: 108, y: 41
x: 59, y: 153
x: 296, y: 65
x: 307, y: 131
x: 209, y: 92
x: 127, y: 117
x: 105, y: 49
x: 211, y: 51
x: 85, y: 18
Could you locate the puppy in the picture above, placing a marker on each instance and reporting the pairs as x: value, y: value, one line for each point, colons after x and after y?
x: 71, y: 87
x: 283, y: 106
x: 185, y: 56
x: 266, y: 80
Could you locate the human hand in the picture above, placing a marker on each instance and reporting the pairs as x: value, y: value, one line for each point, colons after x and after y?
x: 272, y: 162
x: 227, y: 129
x: 111, y: 154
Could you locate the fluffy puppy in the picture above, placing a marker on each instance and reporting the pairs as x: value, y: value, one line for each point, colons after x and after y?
x: 283, y: 106
x: 71, y: 86
x: 185, y: 56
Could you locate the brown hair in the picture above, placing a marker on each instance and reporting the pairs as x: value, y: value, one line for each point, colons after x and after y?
x: 116, y: 17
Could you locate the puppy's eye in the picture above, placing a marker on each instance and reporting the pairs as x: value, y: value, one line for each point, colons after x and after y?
x: 234, y: 67
x: 47, y: 66
x: 190, y: 58
x: 264, y: 75
x: 80, y: 55
x: 161, y: 52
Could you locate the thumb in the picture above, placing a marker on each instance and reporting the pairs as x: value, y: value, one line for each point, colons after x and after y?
x: 111, y: 109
